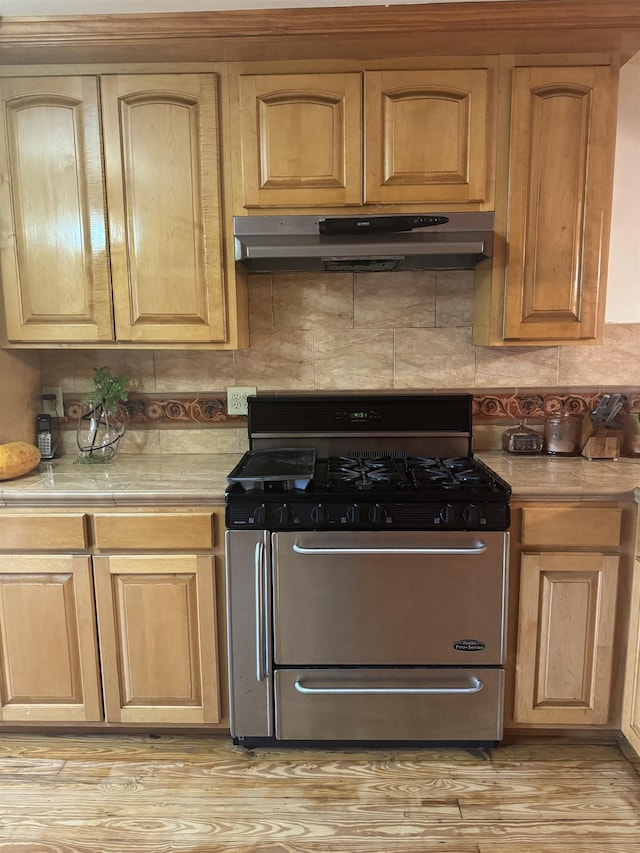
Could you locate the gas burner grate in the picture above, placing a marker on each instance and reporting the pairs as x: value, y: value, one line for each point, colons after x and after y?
x: 366, y: 470
x: 448, y: 472
x: 401, y: 472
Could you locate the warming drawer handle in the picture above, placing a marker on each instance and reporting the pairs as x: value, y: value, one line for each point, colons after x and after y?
x: 480, y: 548
x: 260, y: 621
x: 476, y: 687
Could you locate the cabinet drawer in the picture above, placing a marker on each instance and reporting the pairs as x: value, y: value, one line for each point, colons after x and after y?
x: 357, y: 704
x: 43, y: 532
x: 557, y: 526
x: 168, y: 531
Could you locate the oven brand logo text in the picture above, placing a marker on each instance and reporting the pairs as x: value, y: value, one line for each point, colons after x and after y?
x: 469, y: 646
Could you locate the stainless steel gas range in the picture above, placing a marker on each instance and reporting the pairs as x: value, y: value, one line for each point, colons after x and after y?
x: 366, y: 573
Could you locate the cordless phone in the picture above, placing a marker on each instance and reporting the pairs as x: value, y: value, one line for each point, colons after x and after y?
x: 44, y: 436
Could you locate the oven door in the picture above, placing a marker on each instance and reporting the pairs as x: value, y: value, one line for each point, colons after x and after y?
x: 389, y: 598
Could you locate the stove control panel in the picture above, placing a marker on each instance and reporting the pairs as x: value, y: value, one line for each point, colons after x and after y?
x: 367, y: 515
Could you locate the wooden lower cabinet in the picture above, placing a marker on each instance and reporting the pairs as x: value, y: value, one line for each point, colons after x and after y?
x: 48, y: 646
x: 130, y: 632
x: 565, y: 638
x: 569, y: 578
x: 631, y: 707
x: 157, y: 630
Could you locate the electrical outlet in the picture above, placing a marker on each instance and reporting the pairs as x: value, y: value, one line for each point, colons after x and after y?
x: 55, y: 408
x: 237, y: 399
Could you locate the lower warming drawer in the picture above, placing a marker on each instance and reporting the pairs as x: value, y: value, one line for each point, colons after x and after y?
x: 389, y: 704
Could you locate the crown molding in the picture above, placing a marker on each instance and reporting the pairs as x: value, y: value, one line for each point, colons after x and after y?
x: 515, y: 26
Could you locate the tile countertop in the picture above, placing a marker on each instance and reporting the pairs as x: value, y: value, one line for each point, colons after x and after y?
x: 187, y: 478
x: 198, y: 479
x: 566, y: 478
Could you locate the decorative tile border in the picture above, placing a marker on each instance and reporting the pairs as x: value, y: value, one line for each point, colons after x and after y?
x: 499, y: 406
x: 180, y: 411
x: 155, y: 412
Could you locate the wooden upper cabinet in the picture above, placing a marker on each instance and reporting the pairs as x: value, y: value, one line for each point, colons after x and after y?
x: 53, y: 245
x: 372, y: 137
x: 560, y: 182
x: 301, y: 139
x: 140, y: 152
x: 426, y: 136
x: 161, y: 157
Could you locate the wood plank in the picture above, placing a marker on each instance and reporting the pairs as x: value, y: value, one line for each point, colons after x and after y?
x: 111, y: 793
x: 329, y: 829
x: 150, y: 845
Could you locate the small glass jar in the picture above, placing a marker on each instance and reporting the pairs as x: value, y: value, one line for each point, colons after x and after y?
x: 562, y: 434
x: 521, y: 439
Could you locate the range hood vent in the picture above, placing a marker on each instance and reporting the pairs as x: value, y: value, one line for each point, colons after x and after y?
x: 451, y: 241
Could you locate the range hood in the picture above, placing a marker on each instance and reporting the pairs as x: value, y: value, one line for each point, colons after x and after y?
x: 451, y: 241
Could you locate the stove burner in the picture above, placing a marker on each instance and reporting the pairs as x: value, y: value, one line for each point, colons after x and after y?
x: 448, y: 473
x: 402, y: 472
x: 365, y: 472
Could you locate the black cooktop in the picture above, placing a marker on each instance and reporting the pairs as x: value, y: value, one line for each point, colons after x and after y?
x: 396, y: 475
x: 377, y: 491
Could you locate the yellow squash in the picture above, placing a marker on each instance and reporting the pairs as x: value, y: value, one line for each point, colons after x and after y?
x: 17, y: 458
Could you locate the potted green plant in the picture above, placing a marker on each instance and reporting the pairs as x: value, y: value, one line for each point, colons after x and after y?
x: 103, y: 419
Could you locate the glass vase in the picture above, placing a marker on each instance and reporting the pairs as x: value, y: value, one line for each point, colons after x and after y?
x: 100, y: 429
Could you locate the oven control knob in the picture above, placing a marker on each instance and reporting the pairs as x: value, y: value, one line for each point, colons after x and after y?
x: 285, y: 514
x: 260, y: 516
x: 377, y: 514
x: 472, y: 515
x: 353, y: 514
x: 319, y: 514
x: 448, y: 514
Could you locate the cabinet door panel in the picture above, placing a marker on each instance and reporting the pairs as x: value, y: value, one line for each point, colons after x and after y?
x: 560, y: 182
x: 53, y: 248
x: 156, y: 622
x: 631, y: 706
x: 427, y: 135
x: 301, y: 139
x: 48, y: 649
x: 565, y: 638
x: 161, y: 153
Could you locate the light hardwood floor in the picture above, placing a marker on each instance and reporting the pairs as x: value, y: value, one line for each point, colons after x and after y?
x: 107, y: 793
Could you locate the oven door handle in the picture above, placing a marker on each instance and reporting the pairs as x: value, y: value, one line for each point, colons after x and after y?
x: 475, y: 687
x: 261, y: 646
x: 480, y: 548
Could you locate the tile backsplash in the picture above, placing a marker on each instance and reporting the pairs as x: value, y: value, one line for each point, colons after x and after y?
x: 344, y: 331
